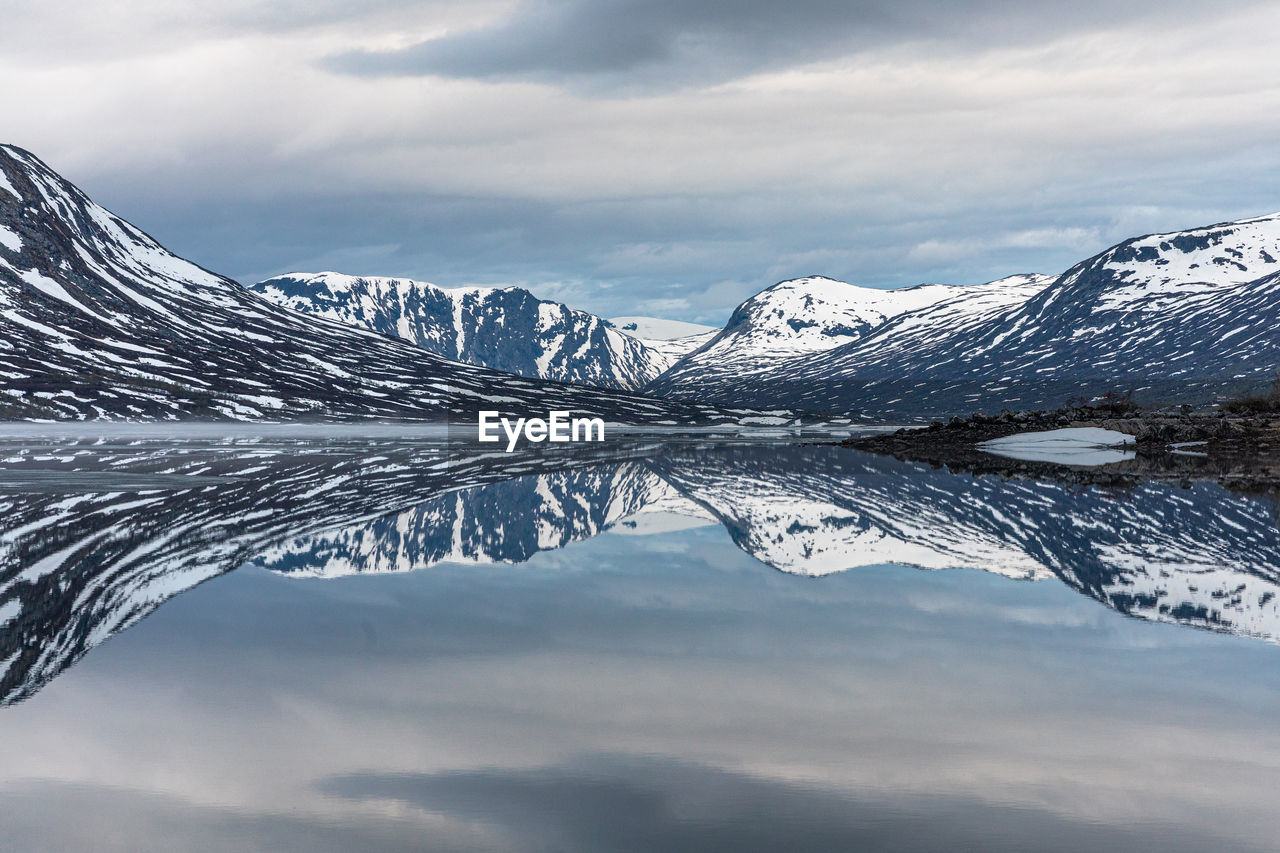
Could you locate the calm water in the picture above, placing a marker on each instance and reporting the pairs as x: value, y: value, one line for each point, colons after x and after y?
x: 381, y: 644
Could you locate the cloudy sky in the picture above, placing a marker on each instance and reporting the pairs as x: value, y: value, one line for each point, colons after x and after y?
x: 667, y: 157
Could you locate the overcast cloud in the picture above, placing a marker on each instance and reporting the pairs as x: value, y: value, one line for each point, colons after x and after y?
x: 651, y: 157
x: 637, y: 45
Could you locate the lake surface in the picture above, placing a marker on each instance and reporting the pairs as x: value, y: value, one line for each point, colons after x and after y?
x: 386, y: 643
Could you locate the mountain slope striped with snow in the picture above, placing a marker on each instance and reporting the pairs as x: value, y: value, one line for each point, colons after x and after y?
x: 97, y: 320
x: 1184, y: 317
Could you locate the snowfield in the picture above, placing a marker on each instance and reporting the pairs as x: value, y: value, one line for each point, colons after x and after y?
x: 1070, y: 446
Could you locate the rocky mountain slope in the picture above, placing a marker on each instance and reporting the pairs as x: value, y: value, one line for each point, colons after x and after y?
x: 1185, y: 317
x: 805, y: 316
x: 506, y: 328
x: 97, y: 320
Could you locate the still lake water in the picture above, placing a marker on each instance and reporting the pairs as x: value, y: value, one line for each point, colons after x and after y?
x: 380, y: 643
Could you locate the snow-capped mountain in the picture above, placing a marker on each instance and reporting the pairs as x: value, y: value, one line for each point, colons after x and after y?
x: 97, y: 320
x: 1184, y: 317
x: 795, y: 318
x: 506, y: 328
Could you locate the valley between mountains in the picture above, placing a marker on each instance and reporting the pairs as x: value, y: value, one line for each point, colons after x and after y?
x: 99, y: 322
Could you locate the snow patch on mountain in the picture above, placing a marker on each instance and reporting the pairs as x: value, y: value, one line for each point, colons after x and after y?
x: 1200, y: 260
x: 9, y: 239
x: 8, y: 187
x: 814, y: 314
x: 674, y: 349
x: 789, y: 319
x: 659, y: 329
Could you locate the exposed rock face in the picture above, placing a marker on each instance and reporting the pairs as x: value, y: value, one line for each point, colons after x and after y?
x: 505, y: 328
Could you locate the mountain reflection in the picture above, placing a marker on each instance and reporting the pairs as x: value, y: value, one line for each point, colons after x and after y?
x: 94, y: 535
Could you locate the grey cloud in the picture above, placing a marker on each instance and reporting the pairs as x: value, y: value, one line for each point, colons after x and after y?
x: 597, y: 803
x: 908, y: 171
x: 658, y: 44
x: 622, y: 803
x: 69, y: 32
x: 713, y: 252
x: 35, y: 818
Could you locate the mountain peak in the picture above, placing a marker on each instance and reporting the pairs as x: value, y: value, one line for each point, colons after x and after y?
x: 504, y: 328
x: 793, y: 318
x: 1222, y: 254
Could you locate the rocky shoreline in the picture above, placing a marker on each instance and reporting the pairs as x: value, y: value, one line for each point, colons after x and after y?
x: 1242, y: 452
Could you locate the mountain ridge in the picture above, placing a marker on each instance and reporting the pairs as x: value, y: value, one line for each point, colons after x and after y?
x: 506, y: 328
x: 1177, y: 317
x: 808, y: 316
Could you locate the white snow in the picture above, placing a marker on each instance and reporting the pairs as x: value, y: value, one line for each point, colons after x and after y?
x: 460, y: 323
x: 9, y: 239
x: 11, y: 608
x: 548, y: 318
x: 674, y: 349
x: 1070, y: 446
x: 817, y: 313
x: 8, y: 187
x: 1198, y: 261
x: 50, y: 287
x: 659, y: 329
x: 801, y: 317
x: 804, y: 319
